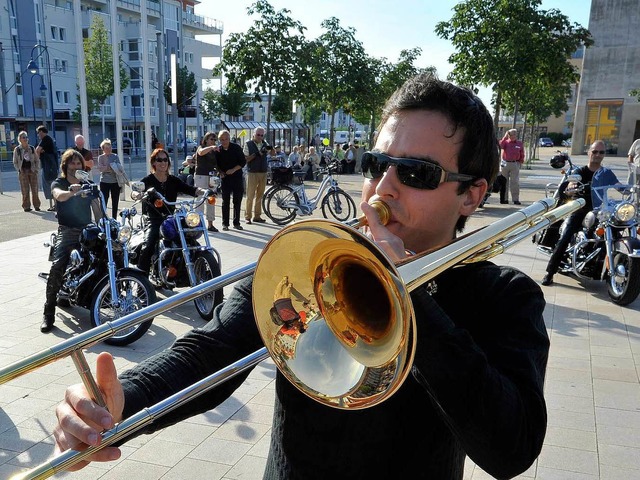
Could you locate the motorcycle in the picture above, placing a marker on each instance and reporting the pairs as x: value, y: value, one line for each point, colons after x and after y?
x: 607, y: 248
x: 179, y: 260
x: 98, y: 276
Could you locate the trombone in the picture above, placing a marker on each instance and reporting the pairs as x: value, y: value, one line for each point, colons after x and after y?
x: 310, y: 311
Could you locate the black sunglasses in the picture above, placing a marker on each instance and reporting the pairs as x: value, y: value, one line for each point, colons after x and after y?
x: 598, y: 152
x: 422, y: 174
x: 161, y: 159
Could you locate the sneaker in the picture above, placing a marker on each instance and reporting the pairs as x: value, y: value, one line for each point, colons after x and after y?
x: 259, y: 220
x: 547, y: 279
x: 225, y: 228
x: 248, y: 220
x: 47, y: 323
x: 517, y: 203
x: 238, y: 227
x: 212, y: 229
x: 51, y: 209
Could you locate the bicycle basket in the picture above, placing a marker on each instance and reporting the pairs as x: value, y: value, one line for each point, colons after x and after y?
x: 282, y: 175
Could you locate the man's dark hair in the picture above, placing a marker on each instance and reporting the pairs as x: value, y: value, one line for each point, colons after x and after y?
x: 42, y: 129
x: 479, y: 153
x: 67, y: 156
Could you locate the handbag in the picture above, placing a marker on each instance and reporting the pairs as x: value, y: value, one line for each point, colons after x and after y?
x: 121, y: 177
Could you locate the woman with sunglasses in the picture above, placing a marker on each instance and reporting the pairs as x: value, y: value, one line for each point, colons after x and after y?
x: 169, y: 186
x: 476, y: 383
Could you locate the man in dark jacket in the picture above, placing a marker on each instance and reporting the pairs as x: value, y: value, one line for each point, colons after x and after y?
x: 474, y: 385
x: 48, y: 162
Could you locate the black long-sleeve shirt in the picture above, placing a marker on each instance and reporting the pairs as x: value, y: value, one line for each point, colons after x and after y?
x: 476, y: 387
x: 169, y: 190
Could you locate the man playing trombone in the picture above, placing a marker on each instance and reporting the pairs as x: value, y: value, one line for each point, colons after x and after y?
x: 476, y: 384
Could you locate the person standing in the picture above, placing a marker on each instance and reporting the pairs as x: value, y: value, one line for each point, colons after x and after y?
x: 476, y: 385
x: 513, y: 155
x: 27, y: 164
x: 74, y: 213
x: 86, y: 153
x: 231, y: 160
x: 108, y: 162
x: 169, y: 186
x: 592, y: 174
x: 255, y: 152
x: 46, y: 151
x: 634, y: 162
x: 205, y: 167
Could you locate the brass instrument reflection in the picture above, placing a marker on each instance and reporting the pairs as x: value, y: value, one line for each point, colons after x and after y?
x: 293, y: 322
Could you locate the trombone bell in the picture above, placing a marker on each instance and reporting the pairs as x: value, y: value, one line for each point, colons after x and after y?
x: 330, y: 309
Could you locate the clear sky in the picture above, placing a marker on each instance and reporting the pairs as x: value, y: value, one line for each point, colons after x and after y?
x: 384, y: 27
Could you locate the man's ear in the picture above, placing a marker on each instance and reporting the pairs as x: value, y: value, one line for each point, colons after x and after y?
x: 474, y: 196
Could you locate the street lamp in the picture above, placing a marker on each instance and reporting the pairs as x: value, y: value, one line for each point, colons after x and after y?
x: 33, y: 68
x: 43, y: 92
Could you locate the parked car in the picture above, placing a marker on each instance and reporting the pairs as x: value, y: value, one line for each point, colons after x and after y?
x: 566, y: 143
x: 192, y: 146
x: 126, y: 142
x: 545, y: 142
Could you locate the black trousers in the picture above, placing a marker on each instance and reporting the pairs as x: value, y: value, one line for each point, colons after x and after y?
x: 112, y: 189
x: 232, y: 187
x: 574, y: 224
x: 68, y: 239
x: 151, y: 236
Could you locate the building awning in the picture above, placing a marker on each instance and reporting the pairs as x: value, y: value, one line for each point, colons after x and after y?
x: 250, y: 125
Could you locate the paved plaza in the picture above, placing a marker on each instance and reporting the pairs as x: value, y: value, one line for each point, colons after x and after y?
x: 592, y: 385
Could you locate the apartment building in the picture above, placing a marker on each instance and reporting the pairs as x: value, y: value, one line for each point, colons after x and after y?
x: 45, y: 33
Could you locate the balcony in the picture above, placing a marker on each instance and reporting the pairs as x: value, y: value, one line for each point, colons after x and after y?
x: 205, y: 24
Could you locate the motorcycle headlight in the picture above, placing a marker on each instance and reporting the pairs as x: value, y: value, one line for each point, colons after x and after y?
x: 192, y: 219
x: 589, y: 220
x: 624, y: 212
x: 124, y: 235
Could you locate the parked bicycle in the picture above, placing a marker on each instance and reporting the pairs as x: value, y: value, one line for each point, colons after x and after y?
x: 287, y: 198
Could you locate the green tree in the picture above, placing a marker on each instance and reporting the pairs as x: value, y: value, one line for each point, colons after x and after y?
x: 341, y: 69
x: 381, y: 79
x: 210, y: 107
x: 234, y: 104
x: 186, y: 89
x: 98, y: 63
x: 267, y: 57
x: 635, y: 93
x: 508, y: 44
x: 281, y: 108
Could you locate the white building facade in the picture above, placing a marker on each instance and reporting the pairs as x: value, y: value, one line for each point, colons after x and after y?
x: 45, y: 33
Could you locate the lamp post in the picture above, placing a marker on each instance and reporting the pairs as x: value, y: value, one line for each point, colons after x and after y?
x: 43, y: 92
x: 33, y: 68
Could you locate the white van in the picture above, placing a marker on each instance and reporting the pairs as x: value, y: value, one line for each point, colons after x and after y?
x: 341, y: 136
x: 360, y: 136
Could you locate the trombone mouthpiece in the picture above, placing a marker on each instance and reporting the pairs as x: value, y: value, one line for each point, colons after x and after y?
x: 383, y: 211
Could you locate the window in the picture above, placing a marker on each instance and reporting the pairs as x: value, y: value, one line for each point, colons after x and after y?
x: 63, y: 66
x: 62, y: 97
x: 54, y: 32
x: 63, y: 33
x: 133, y: 50
x: 603, y: 122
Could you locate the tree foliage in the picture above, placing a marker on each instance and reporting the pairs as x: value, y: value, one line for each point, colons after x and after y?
x: 234, y: 104
x: 519, y: 50
x: 186, y: 89
x: 268, y: 57
x: 98, y: 63
x: 381, y: 79
x: 340, y: 69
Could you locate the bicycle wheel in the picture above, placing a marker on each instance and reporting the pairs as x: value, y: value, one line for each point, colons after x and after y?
x: 339, y: 205
x: 278, y: 204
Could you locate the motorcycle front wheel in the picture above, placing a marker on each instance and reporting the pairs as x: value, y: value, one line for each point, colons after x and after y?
x: 206, y: 268
x: 134, y: 293
x: 623, y: 280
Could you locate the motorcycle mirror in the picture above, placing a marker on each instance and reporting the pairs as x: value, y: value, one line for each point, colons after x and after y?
x: 137, y: 186
x: 83, y: 176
